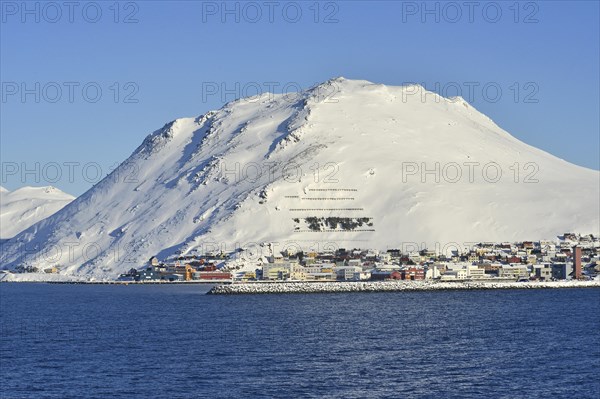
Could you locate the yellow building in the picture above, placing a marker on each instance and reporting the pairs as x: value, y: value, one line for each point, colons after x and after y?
x: 51, y: 270
x: 274, y: 271
x: 297, y: 273
x: 249, y: 276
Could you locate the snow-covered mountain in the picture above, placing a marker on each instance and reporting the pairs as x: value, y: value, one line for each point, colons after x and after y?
x: 343, y: 164
x: 26, y: 206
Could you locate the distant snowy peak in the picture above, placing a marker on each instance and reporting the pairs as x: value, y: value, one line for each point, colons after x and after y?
x: 47, y: 192
x: 26, y: 206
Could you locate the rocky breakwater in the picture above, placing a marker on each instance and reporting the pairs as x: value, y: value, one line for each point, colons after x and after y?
x: 387, y: 286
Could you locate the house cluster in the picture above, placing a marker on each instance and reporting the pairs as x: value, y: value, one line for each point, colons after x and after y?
x: 340, y: 265
x: 571, y: 257
x: 33, y: 269
x: 183, y: 269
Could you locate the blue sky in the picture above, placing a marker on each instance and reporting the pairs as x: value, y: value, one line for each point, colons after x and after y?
x: 153, y: 62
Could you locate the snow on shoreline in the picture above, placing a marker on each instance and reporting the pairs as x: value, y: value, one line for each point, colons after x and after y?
x: 387, y: 286
x: 38, y: 278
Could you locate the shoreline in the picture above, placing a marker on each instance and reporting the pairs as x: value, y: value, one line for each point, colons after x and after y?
x: 41, y: 278
x: 388, y: 286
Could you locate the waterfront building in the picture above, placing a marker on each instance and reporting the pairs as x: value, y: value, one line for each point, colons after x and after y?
x: 561, y: 271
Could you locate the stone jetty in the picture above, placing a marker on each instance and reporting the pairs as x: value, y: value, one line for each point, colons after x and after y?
x: 388, y: 286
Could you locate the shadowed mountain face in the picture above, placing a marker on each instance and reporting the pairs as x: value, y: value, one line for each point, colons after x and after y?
x: 344, y: 164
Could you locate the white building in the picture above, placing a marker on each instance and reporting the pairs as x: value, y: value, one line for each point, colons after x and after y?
x: 455, y: 274
x: 543, y: 271
x: 348, y: 273
x: 474, y: 272
x: 513, y: 271
x: 432, y: 273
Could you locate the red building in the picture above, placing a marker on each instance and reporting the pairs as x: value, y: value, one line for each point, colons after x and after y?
x: 514, y: 259
x: 576, y: 263
x: 386, y: 275
x: 413, y: 273
x: 213, y: 275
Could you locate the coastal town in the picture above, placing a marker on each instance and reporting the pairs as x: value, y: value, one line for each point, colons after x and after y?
x: 570, y: 257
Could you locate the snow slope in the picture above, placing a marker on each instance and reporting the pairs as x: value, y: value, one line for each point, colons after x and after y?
x: 26, y: 206
x: 246, y: 174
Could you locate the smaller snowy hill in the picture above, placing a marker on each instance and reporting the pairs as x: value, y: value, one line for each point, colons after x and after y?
x: 26, y: 206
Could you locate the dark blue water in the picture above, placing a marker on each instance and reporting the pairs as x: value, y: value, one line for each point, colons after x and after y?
x: 72, y: 341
